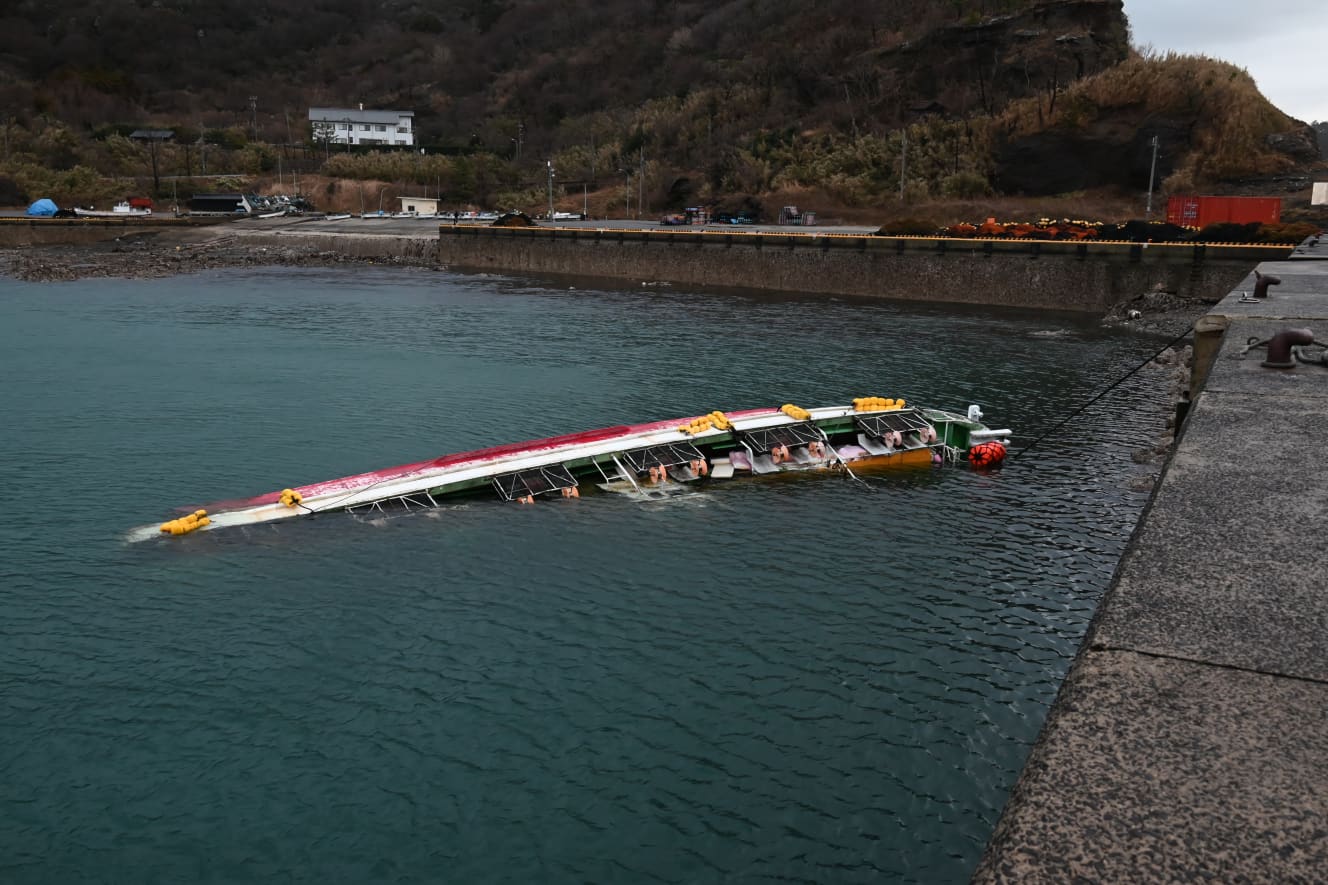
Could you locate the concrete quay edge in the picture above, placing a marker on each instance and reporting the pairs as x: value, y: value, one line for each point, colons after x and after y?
x: 1189, y: 741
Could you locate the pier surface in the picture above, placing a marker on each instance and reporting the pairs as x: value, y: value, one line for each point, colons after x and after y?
x: 1190, y: 740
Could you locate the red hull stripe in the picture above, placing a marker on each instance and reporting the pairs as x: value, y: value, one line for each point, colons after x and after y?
x: 362, y: 480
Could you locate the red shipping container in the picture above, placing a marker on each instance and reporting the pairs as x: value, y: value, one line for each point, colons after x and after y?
x: 1203, y: 211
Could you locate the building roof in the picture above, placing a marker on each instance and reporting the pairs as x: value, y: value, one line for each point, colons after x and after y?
x: 337, y: 115
x: 153, y: 134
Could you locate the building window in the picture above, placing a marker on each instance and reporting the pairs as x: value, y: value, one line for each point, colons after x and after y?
x: 405, y: 129
x: 364, y: 127
x: 381, y: 128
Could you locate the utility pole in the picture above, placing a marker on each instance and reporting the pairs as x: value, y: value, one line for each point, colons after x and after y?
x: 1152, y: 176
x: 152, y: 150
x: 641, y: 182
x: 903, y: 164
x: 253, y: 110
x: 549, y: 163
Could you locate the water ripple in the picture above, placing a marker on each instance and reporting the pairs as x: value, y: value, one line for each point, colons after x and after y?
x: 806, y: 682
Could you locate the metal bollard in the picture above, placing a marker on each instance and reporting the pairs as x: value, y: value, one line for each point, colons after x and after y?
x: 1262, y: 282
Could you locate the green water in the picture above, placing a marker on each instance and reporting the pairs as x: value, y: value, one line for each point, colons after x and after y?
x: 806, y: 681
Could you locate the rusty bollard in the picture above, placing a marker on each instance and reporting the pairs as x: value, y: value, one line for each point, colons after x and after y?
x: 1262, y: 282
x: 1279, y: 347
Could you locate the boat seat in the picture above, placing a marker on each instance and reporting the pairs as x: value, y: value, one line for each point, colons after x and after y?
x: 874, y: 446
x: 850, y: 453
x: 721, y: 468
x: 802, y: 456
x: 764, y: 464
x: 738, y: 460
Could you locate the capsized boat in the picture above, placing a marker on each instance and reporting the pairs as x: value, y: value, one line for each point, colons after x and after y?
x: 650, y: 461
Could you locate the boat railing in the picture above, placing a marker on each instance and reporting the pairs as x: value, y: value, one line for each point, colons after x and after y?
x: 664, y: 455
x: 534, y: 481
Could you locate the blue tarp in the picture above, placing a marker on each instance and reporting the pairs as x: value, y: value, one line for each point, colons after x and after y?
x: 43, y: 207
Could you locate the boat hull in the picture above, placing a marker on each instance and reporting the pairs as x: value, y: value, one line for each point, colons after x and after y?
x: 637, y: 458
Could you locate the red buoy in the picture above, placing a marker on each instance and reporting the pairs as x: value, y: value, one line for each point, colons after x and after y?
x: 986, y: 454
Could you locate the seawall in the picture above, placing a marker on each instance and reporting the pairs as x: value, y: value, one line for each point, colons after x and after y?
x: 1074, y: 276
x: 1189, y: 742
x: 417, y: 248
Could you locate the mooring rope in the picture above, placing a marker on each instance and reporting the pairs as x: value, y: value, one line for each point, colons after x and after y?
x: 1117, y: 383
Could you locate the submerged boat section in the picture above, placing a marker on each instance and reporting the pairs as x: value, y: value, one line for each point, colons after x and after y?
x: 650, y: 461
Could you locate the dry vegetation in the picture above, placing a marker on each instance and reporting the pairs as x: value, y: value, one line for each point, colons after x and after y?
x: 809, y: 104
x: 1227, y: 117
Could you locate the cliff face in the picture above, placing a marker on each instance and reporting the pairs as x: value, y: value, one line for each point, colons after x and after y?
x: 1116, y: 150
x: 1210, y: 120
x: 980, y: 67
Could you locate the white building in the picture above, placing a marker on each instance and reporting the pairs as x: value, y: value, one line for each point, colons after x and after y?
x: 358, y: 126
x: 419, y: 205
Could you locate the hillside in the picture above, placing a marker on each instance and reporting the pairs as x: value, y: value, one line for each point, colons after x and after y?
x: 706, y: 98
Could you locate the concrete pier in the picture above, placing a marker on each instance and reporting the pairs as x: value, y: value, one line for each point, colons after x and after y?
x: 1190, y: 739
x: 1073, y: 276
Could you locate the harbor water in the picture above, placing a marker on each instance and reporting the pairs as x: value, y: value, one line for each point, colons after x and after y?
x: 801, y: 680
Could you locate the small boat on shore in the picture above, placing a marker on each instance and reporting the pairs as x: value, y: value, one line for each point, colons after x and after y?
x: 120, y: 210
x: 650, y: 461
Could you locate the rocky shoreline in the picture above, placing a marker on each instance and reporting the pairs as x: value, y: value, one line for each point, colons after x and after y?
x: 167, y: 254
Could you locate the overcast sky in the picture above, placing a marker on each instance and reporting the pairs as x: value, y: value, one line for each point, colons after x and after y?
x: 1282, y: 43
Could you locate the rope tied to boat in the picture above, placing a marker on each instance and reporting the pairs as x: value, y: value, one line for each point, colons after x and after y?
x: 1117, y: 383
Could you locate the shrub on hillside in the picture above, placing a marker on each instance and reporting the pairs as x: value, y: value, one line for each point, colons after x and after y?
x: 965, y: 185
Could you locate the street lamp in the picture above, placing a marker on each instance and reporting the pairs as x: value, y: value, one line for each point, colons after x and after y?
x: 549, y: 163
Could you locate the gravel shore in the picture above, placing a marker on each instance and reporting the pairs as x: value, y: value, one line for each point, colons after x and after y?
x: 168, y: 253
